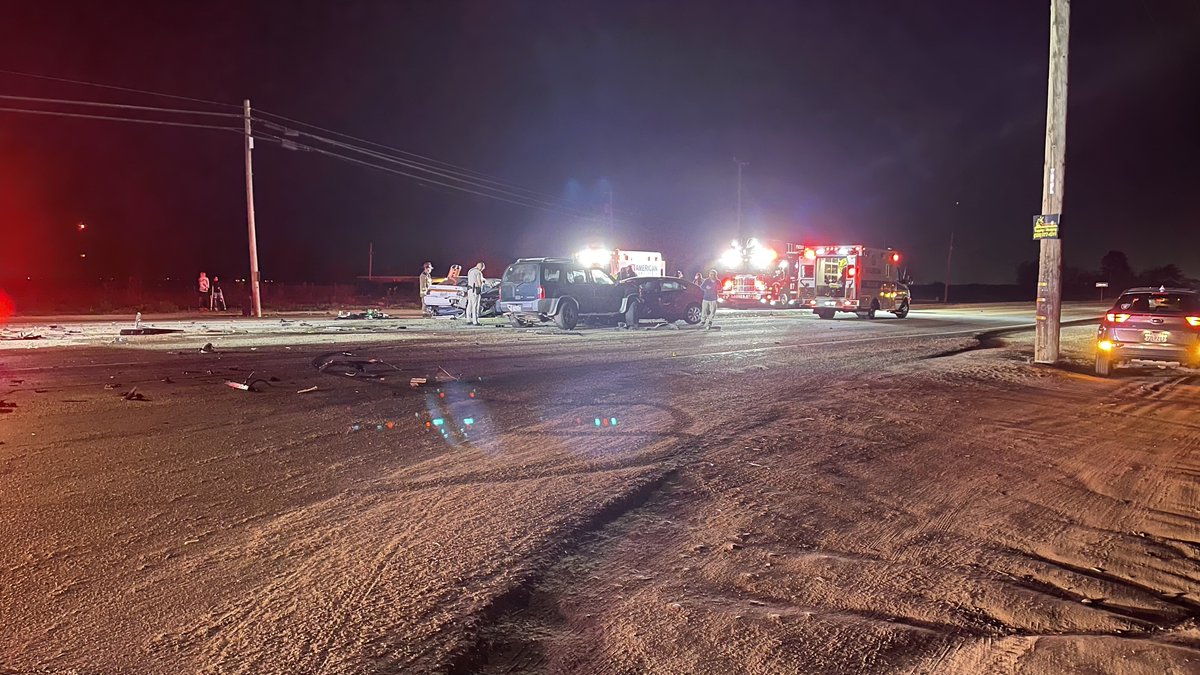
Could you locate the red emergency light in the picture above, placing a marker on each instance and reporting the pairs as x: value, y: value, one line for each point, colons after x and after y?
x: 850, y: 272
x: 810, y: 254
x: 895, y: 257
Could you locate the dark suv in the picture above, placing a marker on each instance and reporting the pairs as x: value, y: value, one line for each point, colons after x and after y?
x: 534, y: 290
x: 1150, y: 324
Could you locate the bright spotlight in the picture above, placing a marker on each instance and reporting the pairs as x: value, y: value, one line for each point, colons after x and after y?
x: 763, y: 257
x: 731, y: 258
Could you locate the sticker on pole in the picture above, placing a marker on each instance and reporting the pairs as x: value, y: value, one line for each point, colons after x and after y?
x: 1045, y: 226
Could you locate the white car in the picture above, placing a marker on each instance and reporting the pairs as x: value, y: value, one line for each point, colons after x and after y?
x: 450, y: 299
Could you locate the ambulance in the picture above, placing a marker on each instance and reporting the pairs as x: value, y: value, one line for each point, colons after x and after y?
x: 856, y: 278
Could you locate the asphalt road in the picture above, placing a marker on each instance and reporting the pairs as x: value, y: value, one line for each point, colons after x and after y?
x: 784, y: 494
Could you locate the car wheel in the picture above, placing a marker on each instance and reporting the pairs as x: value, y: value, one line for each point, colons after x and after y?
x: 825, y: 313
x: 692, y: 314
x: 784, y: 299
x: 1103, y: 365
x: 901, y: 311
x: 633, y: 313
x: 568, y: 315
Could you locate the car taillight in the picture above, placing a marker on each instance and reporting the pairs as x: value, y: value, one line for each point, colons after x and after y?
x: 1193, y: 320
x: 1112, y: 317
x: 541, y: 293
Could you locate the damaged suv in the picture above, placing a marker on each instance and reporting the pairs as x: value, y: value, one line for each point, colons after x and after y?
x: 536, y: 290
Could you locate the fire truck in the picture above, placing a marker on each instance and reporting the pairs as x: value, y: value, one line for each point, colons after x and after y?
x: 640, y: 263
x: 769, y: 273
x: 855, y: 279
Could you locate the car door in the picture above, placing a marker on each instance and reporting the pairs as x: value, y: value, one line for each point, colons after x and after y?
x: 670, y: 299
x: 580, y: 287
x: 608, y: 295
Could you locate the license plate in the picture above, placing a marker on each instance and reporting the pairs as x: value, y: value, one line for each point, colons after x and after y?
x: 1153, y: 336
x: 514, y: 307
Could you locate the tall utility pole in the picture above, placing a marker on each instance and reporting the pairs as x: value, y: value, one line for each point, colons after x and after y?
x: 740, y: 164
x: 1049, y: 291
x: 255, y: 290
x: 371, y: 260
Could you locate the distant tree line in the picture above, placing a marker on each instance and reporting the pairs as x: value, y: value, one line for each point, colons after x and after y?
x: 1114, y: 268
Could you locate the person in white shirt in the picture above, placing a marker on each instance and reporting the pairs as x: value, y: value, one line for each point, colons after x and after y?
x: 474, y: 293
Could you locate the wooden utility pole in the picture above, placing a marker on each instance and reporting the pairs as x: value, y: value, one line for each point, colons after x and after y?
x: 255, y: 290
x: 371, y: 260
x: 1049, y: 291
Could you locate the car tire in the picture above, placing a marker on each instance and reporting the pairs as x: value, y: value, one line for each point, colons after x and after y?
x: 784, y: 299
x: 901, y: 311
x: 568, y: 315
x: 1103, y: 365
x: 633, y: 313
x: 825, y: 313
x: 692, y: 314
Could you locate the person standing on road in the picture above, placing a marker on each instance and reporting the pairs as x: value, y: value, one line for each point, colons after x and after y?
x: 426, y: 281
x: 217, y: 296
x: 474, y: 293
x: 203, y: 286
x: 708, y: 310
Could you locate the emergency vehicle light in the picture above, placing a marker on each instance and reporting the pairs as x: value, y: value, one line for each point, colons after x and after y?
x: 809, y: 254
x: 851, y: 272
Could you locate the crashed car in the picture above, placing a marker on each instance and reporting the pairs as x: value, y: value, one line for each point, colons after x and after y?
x: 446, y: 298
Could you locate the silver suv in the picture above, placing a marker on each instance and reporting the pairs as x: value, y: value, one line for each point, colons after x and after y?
x: 1150, y: 324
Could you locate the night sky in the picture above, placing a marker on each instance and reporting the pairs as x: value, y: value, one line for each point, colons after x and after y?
x: 885, y: 123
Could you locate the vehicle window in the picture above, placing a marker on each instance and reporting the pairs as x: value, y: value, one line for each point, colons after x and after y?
x: 576, y: 277
x: 671, y: 286
x: 1157, y: 303
x: 601, y: 277
x: 551, y: 274
x: 520, y: 274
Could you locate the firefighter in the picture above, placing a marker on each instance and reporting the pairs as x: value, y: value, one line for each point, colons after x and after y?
x: 426, y: 281
x: 474, y: 293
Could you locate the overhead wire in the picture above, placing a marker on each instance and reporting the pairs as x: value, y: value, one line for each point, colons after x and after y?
x: 424, y: 179
x: 135, y: 120
x: 123, y: 106
x: 416, y: 158
x: 145, y: 92
x: 416, y: 166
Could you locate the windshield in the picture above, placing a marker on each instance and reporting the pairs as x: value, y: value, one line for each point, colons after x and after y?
x: 600, y: 277
x: 1157, y: 303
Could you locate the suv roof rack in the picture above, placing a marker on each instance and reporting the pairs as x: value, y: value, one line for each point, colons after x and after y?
x: 553, y: 260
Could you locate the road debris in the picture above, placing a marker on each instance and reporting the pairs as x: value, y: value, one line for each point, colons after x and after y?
x: 22, y: 335
x: 7, y: 406
x: 150, y: 331
x: 208, y: 348
x: 248, y: 384
x: 366, y: 314
x: 134, y: 395
x: 418, y: 382
x: 310, y: 389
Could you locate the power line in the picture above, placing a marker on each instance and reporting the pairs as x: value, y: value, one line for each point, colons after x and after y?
x: 481, y: 176
x: 117, y: 88
x: 447, y: 175
x: 424, y: 179
x: 477, y: 177
x: 123, y: 106
x: 55, y: 113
